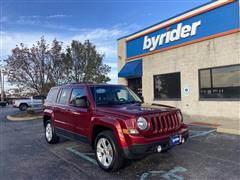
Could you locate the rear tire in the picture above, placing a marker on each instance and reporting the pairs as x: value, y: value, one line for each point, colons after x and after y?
x: 108, y: 154
x: 23, y: 107
x: 50, y: 134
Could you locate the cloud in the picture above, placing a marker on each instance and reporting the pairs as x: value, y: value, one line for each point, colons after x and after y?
x: 11, y: 39
x: 112, y: 64
x: 43, y: 21
x: 3, y: 19
x: 108, y: 51
x: 105, y: 45
x: 28, y: 20
x: 100, y: 34
x: 51, y: 16
x: 114, y: 76
x: 57, y: 16
x: 105, y: 40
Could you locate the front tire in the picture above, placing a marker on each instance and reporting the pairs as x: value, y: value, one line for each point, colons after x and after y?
x: 23, y: 107
x: 50, y: 134
x: 107, y: 152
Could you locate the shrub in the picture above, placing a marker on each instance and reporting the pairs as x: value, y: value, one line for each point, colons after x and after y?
x: 31, y: 111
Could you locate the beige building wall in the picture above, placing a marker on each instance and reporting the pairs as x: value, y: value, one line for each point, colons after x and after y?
x: 121, y: 59
x: 188, y: 60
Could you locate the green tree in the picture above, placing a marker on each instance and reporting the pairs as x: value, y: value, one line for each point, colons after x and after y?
x: 85, y: 64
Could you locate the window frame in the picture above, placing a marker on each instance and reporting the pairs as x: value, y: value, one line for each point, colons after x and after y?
x: 86, y: 94
x: 211, y: 81
x: 60, y: 93
x: 57, y: 93
x: 166, y: 99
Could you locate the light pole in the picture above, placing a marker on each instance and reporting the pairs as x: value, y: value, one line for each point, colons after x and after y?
x: 2, y: 84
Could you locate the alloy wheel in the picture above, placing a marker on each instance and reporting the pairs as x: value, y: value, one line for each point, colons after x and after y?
x: 48, y: 132
x: 104, y: 152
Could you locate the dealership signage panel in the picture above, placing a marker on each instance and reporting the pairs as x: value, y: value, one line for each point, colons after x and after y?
x: 170, y: 36
x: 207, y: 24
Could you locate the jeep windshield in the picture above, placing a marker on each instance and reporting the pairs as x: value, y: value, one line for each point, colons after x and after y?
x: 114, y: 95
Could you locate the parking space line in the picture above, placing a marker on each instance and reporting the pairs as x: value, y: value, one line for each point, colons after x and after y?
x: 201, y: 133
x: 214, y: 158
x: 62, y: 158
x: 203, y: 126
x: 82, y: 155
x: 165, y: 174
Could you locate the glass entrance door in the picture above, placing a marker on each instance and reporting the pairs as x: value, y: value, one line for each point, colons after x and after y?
x: 135, y: 84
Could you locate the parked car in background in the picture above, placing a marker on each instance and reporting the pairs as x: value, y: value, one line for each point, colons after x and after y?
x: 33, y: 102
x: 113, y: 120
x: 3, y: 103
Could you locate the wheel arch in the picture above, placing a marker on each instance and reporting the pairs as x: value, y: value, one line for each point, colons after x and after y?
x: 98, y: 128
x: 46, y: 117
x: 23, y: 103
x: 99, y: 125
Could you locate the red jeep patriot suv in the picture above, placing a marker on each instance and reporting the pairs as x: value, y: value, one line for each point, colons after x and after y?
x: 113, y: 120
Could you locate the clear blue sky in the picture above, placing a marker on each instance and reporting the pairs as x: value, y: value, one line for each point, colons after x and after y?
x: 101, y: 21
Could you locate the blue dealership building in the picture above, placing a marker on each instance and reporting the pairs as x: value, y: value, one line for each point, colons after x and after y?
x: 191, y: 61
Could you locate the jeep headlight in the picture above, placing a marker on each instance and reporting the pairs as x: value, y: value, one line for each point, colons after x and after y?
x: 179, y: 115
x: 142, y: 123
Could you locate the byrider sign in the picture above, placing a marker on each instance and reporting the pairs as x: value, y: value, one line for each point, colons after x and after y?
x: 215, y: 22
x: 173, y: 35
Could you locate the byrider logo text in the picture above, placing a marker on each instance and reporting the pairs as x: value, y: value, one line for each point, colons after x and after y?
x: 173, y: 35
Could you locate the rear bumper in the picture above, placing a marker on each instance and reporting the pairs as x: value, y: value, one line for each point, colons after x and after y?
x: 136, y: 151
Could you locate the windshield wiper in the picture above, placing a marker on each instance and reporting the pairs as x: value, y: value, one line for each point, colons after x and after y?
x: 134, y: 102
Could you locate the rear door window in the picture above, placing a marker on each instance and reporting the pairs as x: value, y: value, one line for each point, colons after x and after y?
x: 64, y: 96
x: 52, y: 95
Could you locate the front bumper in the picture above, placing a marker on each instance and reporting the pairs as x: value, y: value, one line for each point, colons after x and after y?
x: 136, y: 151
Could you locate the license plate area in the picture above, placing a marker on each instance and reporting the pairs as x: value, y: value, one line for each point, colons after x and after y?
x: 175, y: 140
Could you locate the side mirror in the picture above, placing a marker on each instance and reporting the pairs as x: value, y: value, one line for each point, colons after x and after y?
x: 81, y: 102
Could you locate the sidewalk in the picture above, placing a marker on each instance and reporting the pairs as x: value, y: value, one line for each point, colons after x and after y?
x: 223, y: 125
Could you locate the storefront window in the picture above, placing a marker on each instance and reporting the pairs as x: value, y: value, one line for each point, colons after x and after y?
x: 220, y: 82
x: 167, y: 86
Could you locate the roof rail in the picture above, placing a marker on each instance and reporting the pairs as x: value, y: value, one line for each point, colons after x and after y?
x: 80, y: 83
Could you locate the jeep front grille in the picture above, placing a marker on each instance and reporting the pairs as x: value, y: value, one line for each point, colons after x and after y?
x: 164, y: 122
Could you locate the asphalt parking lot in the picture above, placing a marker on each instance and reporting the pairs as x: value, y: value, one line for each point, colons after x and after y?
x: 26, y: 155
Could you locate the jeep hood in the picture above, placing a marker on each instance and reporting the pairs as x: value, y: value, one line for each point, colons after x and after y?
x: 135, y: 109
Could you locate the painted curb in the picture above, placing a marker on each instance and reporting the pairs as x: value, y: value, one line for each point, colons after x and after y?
x: 23, y: 118
x: 229, y: 131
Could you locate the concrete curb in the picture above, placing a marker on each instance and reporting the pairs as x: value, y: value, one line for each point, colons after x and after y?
x: 220, y: 128
x: 204, y: 124
x: 229, y: 131
x: 23, y: 118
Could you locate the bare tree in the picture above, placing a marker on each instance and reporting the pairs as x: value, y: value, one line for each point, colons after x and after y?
x: 39, y: 68
x: 35, y: 69
x: 56, y: 66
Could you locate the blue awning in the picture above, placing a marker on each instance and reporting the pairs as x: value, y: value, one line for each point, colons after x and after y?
x: 131, y: 69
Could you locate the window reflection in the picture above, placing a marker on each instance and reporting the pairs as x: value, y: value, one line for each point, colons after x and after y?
x: 224, y: 82
x: 167, y: 86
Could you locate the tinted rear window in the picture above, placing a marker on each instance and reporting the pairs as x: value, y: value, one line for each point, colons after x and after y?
x: 39, y: 97
x: 64, y: 96
x: 52, y: 95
